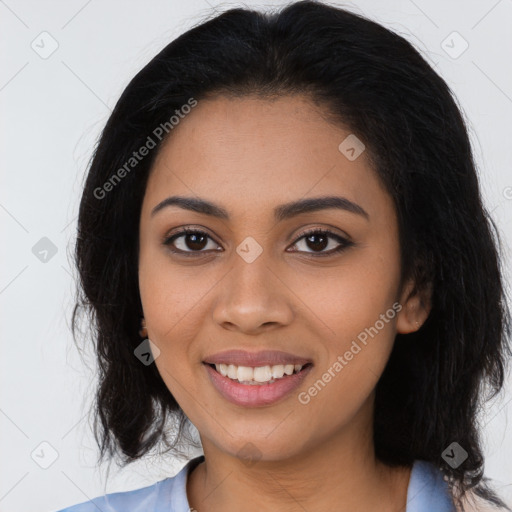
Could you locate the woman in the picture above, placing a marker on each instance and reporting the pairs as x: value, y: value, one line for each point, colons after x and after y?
x: 281, y: 241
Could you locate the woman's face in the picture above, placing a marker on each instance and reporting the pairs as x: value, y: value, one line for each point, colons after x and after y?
x: 255, y: 283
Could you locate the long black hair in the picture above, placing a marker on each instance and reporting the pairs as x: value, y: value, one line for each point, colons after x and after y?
x: 375, y: 82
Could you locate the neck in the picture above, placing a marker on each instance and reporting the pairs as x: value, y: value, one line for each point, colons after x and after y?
x: 340, y: 474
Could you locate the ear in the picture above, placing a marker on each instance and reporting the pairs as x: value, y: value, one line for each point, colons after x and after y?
x: 416, y: 306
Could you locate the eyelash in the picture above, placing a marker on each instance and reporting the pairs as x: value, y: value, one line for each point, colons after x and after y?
x: 344, y: 243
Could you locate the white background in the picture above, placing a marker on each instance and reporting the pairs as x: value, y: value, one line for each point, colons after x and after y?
x: 52, y: 111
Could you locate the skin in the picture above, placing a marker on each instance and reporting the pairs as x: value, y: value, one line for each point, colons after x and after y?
x: 249, y: 155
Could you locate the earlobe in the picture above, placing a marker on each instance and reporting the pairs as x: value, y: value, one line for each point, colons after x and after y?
x: 415, y: 310
x: 143, y: 332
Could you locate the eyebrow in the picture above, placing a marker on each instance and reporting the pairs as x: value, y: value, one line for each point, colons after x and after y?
x: 281, y: 212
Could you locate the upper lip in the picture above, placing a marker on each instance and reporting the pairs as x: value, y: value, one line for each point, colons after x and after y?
x: 262, y: 358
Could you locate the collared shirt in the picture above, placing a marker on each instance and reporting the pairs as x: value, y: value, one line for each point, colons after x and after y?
x: 427, y: 492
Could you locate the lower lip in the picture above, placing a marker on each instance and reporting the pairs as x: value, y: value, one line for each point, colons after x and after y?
x: 256, y: 394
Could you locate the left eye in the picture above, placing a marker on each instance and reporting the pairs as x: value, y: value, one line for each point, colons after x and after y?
x: 197, y: 240
x: 320, y: 239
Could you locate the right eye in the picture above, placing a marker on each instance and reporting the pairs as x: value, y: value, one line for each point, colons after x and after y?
x: 193, y: 239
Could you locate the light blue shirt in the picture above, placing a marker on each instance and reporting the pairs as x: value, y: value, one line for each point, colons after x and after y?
x: 427, y: 492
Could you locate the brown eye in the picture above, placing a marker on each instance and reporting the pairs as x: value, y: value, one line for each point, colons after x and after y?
x: 189, y: 241
x: 193, y: 242
x: 319, y: 239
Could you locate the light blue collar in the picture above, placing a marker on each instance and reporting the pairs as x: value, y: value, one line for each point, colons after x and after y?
x: 427, y: 490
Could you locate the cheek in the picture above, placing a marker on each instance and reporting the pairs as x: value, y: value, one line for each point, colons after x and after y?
x: 176, y: 303
x: 355, y: 306
x: 352, y: 360
x: 350, y: 297
x: 169, y: 293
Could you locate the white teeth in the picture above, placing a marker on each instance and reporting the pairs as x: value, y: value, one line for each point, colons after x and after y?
x: 260, y: 374
x: 288, y: 369
x: 277, y: 371
x: 232, y: 371
x: 245, y: 373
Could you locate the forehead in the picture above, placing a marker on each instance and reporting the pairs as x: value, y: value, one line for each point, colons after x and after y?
x: 248, y: 152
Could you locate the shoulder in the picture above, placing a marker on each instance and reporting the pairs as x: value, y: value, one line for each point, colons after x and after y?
x: 428, y: 489
x: 150, y: 496
x: 167, y: 495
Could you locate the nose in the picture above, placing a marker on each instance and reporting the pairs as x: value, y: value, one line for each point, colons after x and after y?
x: 253, y: 298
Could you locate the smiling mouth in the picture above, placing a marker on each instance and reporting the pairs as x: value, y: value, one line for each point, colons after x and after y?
x: 259, y: 375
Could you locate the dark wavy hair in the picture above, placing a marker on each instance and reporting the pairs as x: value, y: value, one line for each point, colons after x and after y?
x: 374, y: 82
